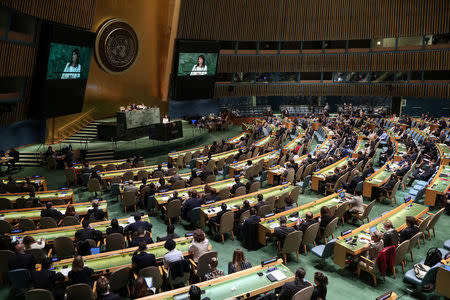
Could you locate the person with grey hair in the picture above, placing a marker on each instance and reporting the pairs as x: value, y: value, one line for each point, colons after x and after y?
x: 374, y: 246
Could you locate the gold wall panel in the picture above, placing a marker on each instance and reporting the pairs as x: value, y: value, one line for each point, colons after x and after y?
x: 305, y: 20
x: 143, y: 82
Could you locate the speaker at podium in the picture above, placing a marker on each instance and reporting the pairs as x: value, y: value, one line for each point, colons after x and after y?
x: 165, y: 131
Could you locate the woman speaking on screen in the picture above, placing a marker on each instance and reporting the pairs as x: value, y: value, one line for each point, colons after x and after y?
x: 73, y: 68
x: 200, y: 68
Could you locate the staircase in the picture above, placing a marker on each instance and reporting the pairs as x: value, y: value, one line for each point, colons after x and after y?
x: 93, y: 155
x: 29, y: 159
x: 86, y: 134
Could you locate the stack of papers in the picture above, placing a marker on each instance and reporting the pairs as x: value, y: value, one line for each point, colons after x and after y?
x: 278, y: 275
x: 274, y: 225
x: 293, y: 219
x: 65, y: 271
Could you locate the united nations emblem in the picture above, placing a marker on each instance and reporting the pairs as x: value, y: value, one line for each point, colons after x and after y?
x: 116, y: 46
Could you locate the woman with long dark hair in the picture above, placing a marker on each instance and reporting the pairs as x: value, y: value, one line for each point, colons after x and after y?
x: 200, y: 68
x: 73, y: 68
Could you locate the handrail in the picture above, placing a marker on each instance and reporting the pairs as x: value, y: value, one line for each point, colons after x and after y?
x: 79, y: 122
x: 76, y: 120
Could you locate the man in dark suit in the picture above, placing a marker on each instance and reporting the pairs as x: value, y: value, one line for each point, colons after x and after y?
x: 142, y: 259
x: 351, y: 186
x: 218, y: 217
x: 51, y: 212
x: 99, y: 214
x: 368, y: 171
x: 289, y: 289
x: 21, y: 260
x: 261, y: 202
x: 141, y: 238
x: 250, y: 230
x: 46, y: 279
x: 204, y: 173
x: 309, y: 220
x: 191, y: 203
x: 170, y: 234
x: 282, y: 231
x: 213, y: 196
x: 133, y: 227
x: 87, y: 232
x: 237, y: 184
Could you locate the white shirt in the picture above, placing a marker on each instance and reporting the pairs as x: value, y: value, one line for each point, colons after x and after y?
x: 197, y: 249
x: 71, y: 72
x: 196, y: 70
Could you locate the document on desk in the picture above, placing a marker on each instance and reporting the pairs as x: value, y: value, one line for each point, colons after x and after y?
x: 278, y: 275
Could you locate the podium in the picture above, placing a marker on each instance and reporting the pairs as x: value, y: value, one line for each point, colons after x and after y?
x: 165, y: 131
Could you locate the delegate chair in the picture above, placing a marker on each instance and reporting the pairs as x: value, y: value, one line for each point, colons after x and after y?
x: 331, y: 227
x: 155, y: 274
x: 38, y: 294
x: 71, y: 221
x: 173, y: 210
x: 415, y: 240
x: 20, y: 280
x: 202, y: 266
x: 304, y: 294
x: 115, y: 241
x: 264, y: 210
x: 292, y: 244
x: 226, y: 225
x: 129, y: 200
x: 119, y: 279
x: 94, y: 186
x: 324, y: 251
x: 127, y: 176
x: 400, y: 253
x: 79, y: 291
x: 433, y: 222
x: 310, y: 236
x: 26, y: 224
x: 47, y: 222
x: 63, y: 247
x: 423, y: 226
x: 4, y: 258
x: 366, y: 212
x: 180, y: 280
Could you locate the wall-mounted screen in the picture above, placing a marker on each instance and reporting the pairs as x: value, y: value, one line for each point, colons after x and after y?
x: 197, y: 64
x: 194, y: 69
x: 68, y: 61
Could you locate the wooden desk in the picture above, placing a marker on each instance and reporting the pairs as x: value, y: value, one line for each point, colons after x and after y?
x: 444, y: 152
x: 106, y: 175
x: 216, y: 157
x: 397, y: 217
x: 34, y: 213
x: 39, y: 180
x: 210, y: 210
x: 50, y: 234
x: 267, y: 225
x: 323, y: 173
x: 103, y: 163
x: 44, y: 196
x: 237, y: 167
x: 439, y: 186
x: 245, y: 284
x: 377, y: 179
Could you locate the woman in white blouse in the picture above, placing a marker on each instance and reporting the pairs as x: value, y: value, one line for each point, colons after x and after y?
x: 73, y: 68
x: 199, y: 244
x: 31, y: 243
x: 200, y: 68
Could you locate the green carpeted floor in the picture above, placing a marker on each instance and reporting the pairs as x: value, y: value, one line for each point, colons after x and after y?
x: 343, y: 284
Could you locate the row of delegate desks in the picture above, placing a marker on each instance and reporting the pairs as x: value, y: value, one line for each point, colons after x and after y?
x: 103, y: 163
x: 39, y: 180
x: 107, y: 262
x: 352, y: 244
x: 215, y: 157
x: 377, y: 179
x: 246, y: 283
x: 107, y: 175
x: 210, y: 210
x: 293, y: 143
x: 439, y: 186
x: 162, y: 198
x: 173, y: 156
x: 67, y: 195
x: 237, y: 167
x: 327, y: 171
x: 34, y: 213
x: 50, y: 234
x: 360, y: 146
x: 267, y: 225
